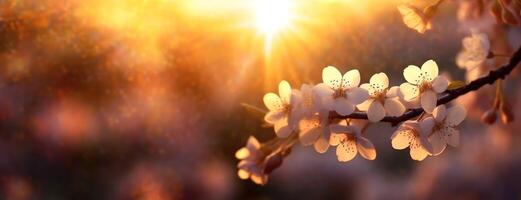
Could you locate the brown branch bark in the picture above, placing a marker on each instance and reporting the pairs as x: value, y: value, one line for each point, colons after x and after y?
x: 448, y: 95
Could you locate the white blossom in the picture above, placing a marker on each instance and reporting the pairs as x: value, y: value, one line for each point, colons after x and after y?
x: 315, y: 131
x: 340, y: 93
x: 281, y: 110
x: 414, y: 135
x: 444, y: 131
x: 252, y: 162
x: 382, y: 100
x: 475, y: 51
x: 349, y: 141
x: 308, y: 104
x: 424, y: 84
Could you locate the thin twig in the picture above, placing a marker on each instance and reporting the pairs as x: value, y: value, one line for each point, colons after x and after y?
x: 448, y: 95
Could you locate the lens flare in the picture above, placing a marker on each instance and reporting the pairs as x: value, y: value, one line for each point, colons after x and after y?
x: 272, y: 15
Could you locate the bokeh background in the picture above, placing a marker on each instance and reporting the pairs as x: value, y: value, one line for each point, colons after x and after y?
x: 141, y: 99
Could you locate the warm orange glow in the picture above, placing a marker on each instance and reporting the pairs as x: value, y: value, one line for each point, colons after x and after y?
x: 272, y: 15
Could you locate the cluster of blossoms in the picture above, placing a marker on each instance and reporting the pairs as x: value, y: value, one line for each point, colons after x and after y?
x: 318, y: 115
x: 323, y: 115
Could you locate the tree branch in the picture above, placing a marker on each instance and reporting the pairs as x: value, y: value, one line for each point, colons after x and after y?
x: 448, y: 95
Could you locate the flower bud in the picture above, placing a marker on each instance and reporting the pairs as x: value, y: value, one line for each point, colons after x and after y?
x: 489, y: 117
x: 506, y: 114
x: 273, y: 162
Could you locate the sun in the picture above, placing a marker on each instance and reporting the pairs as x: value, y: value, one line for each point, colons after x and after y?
x: 272, y: 15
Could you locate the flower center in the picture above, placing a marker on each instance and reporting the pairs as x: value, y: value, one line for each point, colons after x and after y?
x: 339, y: 93
x: 380, y: 95
x: 425, y: 86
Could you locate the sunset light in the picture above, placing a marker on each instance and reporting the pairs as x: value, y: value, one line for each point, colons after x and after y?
x: 272, y: 15
x: 260, y: 99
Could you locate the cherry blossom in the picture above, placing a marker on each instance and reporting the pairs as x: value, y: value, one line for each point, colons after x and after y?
x: 414, y: 134
x: 340, y: 93
x: 444, y: 131
x: 308, y: 104
x: 281, y: 113
x: 315, y: 131
x: 349, y: 141
x: 475, y: 51
x: 252, y: 160
x: 423, y: 83
x: 414, y: 18
x: 382, y: 100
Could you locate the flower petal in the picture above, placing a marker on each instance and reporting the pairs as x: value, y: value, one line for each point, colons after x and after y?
x: 335, y: 139
x: 346, y: 151
x: 366, y: 148
x: 310, y: 136
x: 452, y: 136
x: 393, y: 92
x: 282, y: 129
x: 243, y: 174
x: 322, y: 90
x: 430, y: 70
x: 414, y: 18
x: 401, y: 138
x: 323, y: 96
x: 426, y: 126
x: 425, y: 144
x: 259, y: 179
x: 455, y: 115
x: 439, y: 113
x: 370, y: 90
x: 242, y: 153
x: 438, y: 143
x: 343, y: 106
x: 440, y: 84
x: 364, y: 106
x: 309, y: 123
x: 376, y: 111
x: 321, y: 145
x: 417, y: 152
x: 285, y: 92
x: 393, y: 107
x: 428, y: 101
x: 409, y: 91
x: 273, y: 116
x: 413, y: 74
x: 351, y: 79
x: 252, y: 144
x: 272, y: 101
x: 332, y: 77
x: 379, y: 82
x: 357, y: 95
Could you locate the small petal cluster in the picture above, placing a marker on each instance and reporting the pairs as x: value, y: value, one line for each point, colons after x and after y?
x: 340, y: 93
x: 311, y: 115
x: 430, y: 136
x: 251, y: 164
x: 382, y: 101
x: 256, y: 163
x: 281, y: 112
x: 423, y: 83
x: 315, y: 131
x: 349, y: 141
x: 444, y: 131
x: 414, y: 134
x: 475, y: 51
